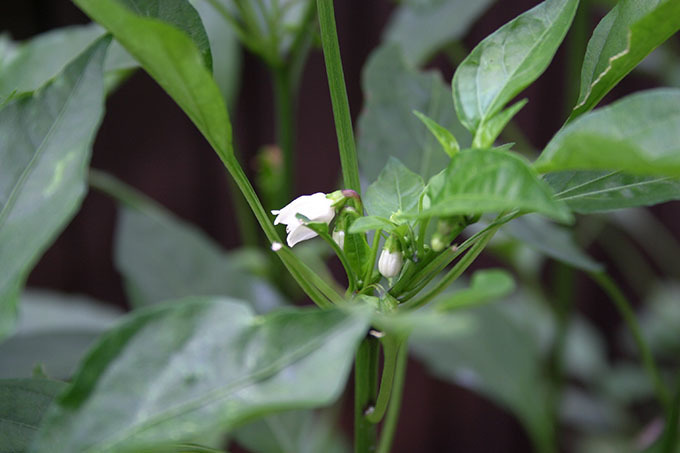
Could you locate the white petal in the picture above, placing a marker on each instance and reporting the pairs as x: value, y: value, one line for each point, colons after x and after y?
x: 299, y: 234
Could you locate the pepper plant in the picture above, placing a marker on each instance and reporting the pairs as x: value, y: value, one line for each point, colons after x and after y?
x: 441, y: 183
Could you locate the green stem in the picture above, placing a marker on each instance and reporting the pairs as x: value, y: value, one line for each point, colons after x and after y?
x: 244, y: 217
x: 285, y: 129
x: 336, y: 84
x: 391, y: 348
x: 390, y: 425
x: 670, y: 436
x: 374, y: 253
x: 365, y: 390
x: 625, y: 308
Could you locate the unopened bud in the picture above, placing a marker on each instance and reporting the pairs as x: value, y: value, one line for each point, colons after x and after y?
x: 390, y: 263
x: 339, y: 238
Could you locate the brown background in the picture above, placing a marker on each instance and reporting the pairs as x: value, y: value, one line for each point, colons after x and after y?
x: 148, y: 142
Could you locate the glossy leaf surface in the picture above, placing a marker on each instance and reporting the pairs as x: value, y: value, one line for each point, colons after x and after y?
x: 177, y: 372
x: 396, y: 191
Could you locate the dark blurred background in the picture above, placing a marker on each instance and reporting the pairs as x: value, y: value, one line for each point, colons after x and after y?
x: 148, y: 142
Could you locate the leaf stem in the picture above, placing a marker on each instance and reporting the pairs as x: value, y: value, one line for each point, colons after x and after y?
x: 390, y: 426
x: 626, y: 311
x: 391, y: 348
x: 365, y: 390
x: 336, y: 84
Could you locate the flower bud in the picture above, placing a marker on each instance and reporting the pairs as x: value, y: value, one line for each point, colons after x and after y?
x: 339, y: 238
x: 391, y: 259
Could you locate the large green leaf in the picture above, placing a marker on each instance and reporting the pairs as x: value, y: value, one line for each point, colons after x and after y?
x: 173, y: 59
x: 45, y: 145
x: 631, y: 30
x: 422, y: 28
x: 161, y: 258
x: 507, y: 61
x: 176, y: 372
x: 387, y: 126
x: 22, y: 405
x: 640, y: 134
x: 498, y: 358
x: 396, y: 191
x: 54, y: 331
x: 293, y: 432
x: 595, y: 191
x: 481, y: 181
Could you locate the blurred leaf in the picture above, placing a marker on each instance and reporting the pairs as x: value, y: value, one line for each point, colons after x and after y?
x: 396, y: 191
x: 590, y: 413
x: 485, y: 286
x: 507, y: 61
x: 54, y: 331
x: 387, y: 126
x: 292, y: 432
x: 423, y: 28
x: 639, y: 134
x: 176, y: 372
x: 22, y: 405
x: 173, y: 59
x: 496, y: 358
x: 631, y: 30
x: 626, y: 383
x: 42, y: 176
x: 367, y: 223
x: 162, y: 258
x: 660, y: 321
x: 596, y: 191
x: 551, y: 240
x: 481, y: 181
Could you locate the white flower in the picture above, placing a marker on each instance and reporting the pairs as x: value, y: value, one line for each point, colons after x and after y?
x: 316, y: 207
x: 390, y: 263
x: 339, y: 238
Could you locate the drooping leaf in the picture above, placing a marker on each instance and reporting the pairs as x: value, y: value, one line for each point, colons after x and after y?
x: 173, y: 59
x: 42, y: 176
x: 387, y: 126
x: 421, y: 28
x: 551, y: 240
x: 624, y: 37
x: 507, y: 61
x: 23, y: 403
x: 176, y: 372
x: 481, y: 181
x: 640, y: 134
x: 54, y: 331
x: 161, y: 258
x: 396, y: 191
x: 295, y: 431
x: 485, y: 286
x: 596, y: 191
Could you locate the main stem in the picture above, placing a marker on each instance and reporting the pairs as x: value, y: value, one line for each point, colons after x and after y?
x: 365, y: 393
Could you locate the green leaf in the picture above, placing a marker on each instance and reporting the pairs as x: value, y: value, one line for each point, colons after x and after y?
x: 364, y: 224
x: 550, y: 240
x: 172, y: 58
x: 178, y: 13
x: 422, y: 28
x: 177, y: 372
x: 42, y: 176
x: 357, y: 251
x: 487, y: 135
x: 387, y: 127
x: 624, y: 37
x: 443, y: 135
x: 396, y: 191
x: 295, y: 431
x: 507, y: 61
x: 55, y: 331
x: 586, y: 192
x: 495, y: 357
x: 161, y: 258
x: 481, y: 181
x: 485, y: 286
x: 639, y: 134
x: 22, y: 405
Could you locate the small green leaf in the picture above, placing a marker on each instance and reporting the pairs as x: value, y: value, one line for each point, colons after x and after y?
x: 485, y: 136
x: 485, y: 286
x: 481, y: 181
x: 22, y: 405
x: 387, y: 127
x: 424, y: 27
x: 368, y: 223
x: 623, y: 38
x: 42, y: 175
x: 396, y: 192
x: 586, y: 192
x: 173, y: 59
x: 357, y: 251
x: 178, y: 372
x: 640, y: 134
x: 508, y: 60
x: 443, y: 135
